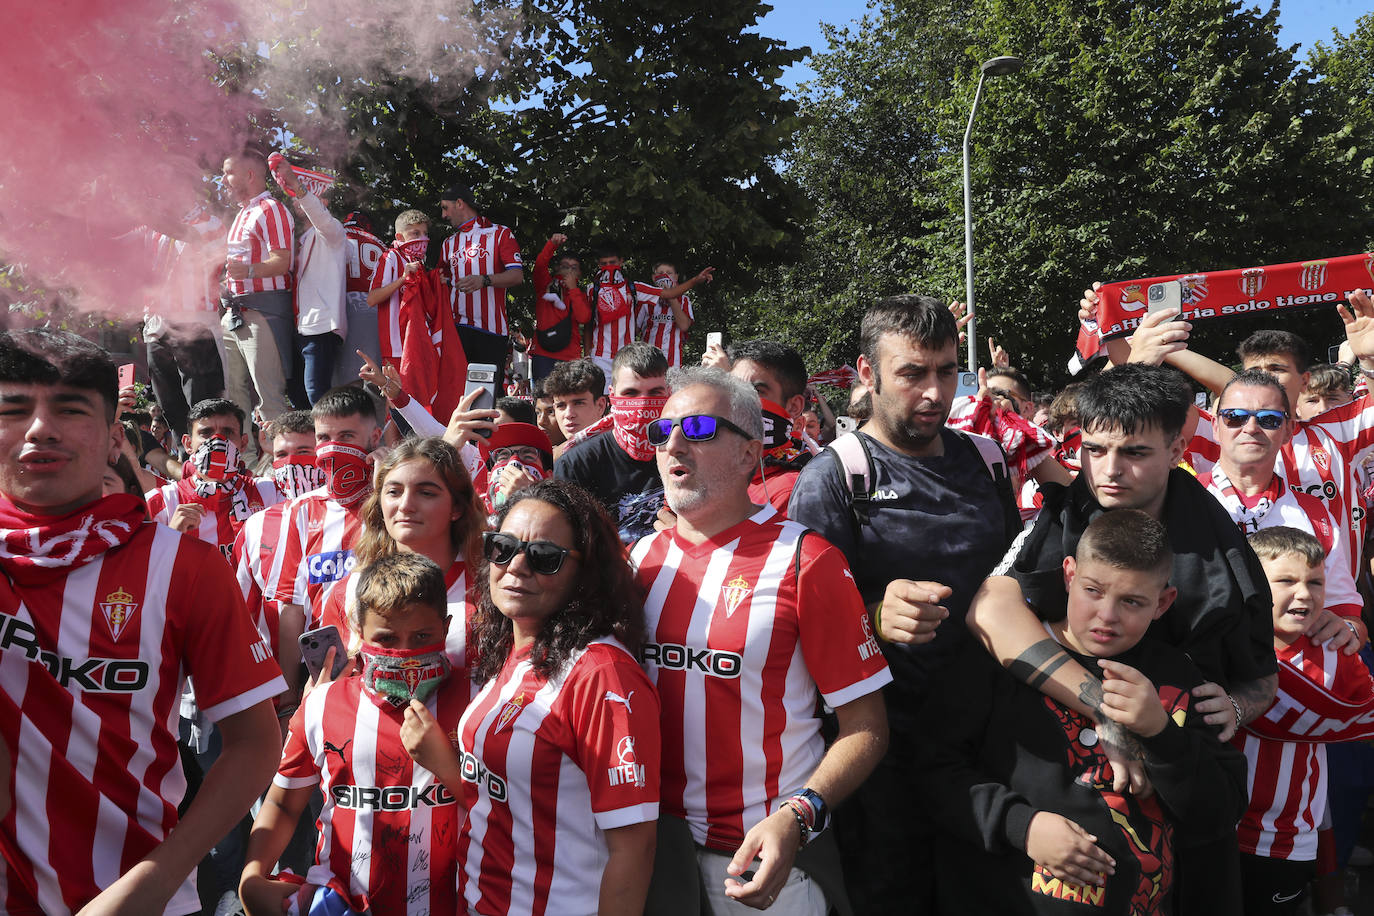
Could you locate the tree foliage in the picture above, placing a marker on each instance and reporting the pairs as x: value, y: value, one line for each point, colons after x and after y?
x: 1138, y: 140
x: 654, y: 124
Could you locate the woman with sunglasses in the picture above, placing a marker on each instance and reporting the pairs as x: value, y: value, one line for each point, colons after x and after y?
x: 558, y: 753
x: 423, y: 502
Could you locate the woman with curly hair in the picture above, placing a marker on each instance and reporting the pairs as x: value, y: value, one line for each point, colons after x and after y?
x: 423, y: 502
x: 558, y: 753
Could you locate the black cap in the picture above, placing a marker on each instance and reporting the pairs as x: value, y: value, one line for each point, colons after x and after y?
x: 458, y: 192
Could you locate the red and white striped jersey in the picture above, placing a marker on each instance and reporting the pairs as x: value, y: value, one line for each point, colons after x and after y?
x: 341, y: 599
x: 262, y: 226
x: 389, y: 270
x: 662, y: 331
x: 388, y: 828
x: 548, y: 766
x: 479, y: 247
x: 1313, y: 462
x: 1306, y: 513
x: 257, y: 565
x: 615, y: 314
x: 364, y: 251
x: 92, y: 668
x: 184, y: 268
x: 224, y: 515
x: 317, y: 551
x: 743, y: 631
x: 1287, y: 779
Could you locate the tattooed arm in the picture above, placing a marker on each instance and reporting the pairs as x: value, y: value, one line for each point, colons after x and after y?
x: 1251, y: 699
x: 1010, y: 631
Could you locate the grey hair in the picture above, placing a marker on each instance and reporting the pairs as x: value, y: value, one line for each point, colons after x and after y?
x: 745, y: 410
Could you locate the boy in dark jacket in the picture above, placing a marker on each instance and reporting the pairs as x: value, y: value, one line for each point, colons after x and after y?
x: 1020, y: 783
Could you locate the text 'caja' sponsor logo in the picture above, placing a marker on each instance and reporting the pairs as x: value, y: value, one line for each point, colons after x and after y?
x: 98, y: 675
x: 391, y: 798
x: 329, y: 567
x: 474, y: 772
x: 674, y: 657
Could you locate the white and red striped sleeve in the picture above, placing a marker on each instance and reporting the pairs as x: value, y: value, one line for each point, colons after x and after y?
x: 389, y: 270
x: 837, y: 640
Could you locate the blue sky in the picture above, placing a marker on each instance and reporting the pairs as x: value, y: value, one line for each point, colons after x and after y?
x: 797, y: 23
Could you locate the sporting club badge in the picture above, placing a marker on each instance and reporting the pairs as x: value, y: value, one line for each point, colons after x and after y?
x: 735, y: 591
x: 119, y: 608
x: 510, y: 711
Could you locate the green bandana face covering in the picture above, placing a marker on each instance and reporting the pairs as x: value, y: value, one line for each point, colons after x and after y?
x: 398, y: 676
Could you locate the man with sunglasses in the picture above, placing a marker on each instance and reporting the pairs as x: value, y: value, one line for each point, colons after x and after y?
x: 1253, y: 424
x: 749, y: 616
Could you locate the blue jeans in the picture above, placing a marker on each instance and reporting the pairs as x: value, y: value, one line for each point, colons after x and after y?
x: 318, y: 353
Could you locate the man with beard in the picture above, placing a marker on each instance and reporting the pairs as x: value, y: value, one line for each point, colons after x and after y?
x: 619, y: 469
x: 777, y: 617
x: 930, y: 525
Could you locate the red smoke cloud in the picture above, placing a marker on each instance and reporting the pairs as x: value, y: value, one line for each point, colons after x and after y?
x: 115, y: 118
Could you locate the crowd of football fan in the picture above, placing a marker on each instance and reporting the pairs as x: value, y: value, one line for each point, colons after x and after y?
x: 603, y: 633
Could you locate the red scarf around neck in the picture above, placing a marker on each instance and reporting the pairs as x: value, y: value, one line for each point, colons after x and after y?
x: 35, y: 549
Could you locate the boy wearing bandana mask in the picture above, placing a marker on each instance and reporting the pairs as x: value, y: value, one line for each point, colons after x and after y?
x: 778, y: 374
x: 322, y: 526
x: 256, y: 559
x: 337, y: 742
x: 619, y: 469
x: 216, y: 493
x: 520, y: 455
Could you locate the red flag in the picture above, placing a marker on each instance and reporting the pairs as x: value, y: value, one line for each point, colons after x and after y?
x: 433, y: 366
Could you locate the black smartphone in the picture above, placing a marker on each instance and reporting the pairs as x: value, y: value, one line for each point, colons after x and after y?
x: 315, y: 645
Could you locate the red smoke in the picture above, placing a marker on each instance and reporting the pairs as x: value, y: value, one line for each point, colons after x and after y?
x: 115, y: 120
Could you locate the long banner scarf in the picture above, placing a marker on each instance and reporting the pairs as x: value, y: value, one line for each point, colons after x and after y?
x: 1308, y: 712
x: 1225, y: 294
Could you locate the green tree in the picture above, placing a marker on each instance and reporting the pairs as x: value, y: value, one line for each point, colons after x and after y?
x: 1138, y: 140
x: 654, y: 123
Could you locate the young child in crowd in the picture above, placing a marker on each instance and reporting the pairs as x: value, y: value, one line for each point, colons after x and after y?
x: 1021, y: 784
x: 388, y: 831
x: 1321, y: 692
x: 1327, y: 386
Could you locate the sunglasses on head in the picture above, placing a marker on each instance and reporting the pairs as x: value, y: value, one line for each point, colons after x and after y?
x: 1236, y: 417
x: 696, y: 428
x: 546, y: 557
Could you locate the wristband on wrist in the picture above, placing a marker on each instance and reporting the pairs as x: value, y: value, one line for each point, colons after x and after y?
x: 1353, y: 628
x: 878, y: 621
x: 250, y: 271
x: 1236, y: 707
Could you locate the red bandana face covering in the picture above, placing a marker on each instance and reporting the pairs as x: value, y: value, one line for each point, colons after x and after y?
x: 414, y: 250
x: 217, y: 466
x: 397, y: 676
x: 348, y: 477
x: 39, y: 548
x: 630, y: 415
x: 297, y: 474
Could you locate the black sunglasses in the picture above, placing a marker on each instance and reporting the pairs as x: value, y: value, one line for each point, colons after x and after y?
x: 699, y: 427
x: 546, y: 557
x: 1236, y: 417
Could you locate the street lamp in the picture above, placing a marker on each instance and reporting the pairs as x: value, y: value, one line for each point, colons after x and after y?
x: 994, y: 67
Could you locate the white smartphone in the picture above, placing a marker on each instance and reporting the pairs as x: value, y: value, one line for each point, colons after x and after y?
x: 1164, y: 296
x: 713, y: 339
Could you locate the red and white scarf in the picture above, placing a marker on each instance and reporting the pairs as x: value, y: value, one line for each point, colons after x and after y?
x: 1226, y: 293
x: 36, y: 549
x: 1248, y: 511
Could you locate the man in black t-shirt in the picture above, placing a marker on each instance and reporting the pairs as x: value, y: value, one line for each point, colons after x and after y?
x: 618, y: 467
x: 936, y: 524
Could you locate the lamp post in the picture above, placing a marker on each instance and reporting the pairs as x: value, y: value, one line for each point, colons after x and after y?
x: 994, y: 67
